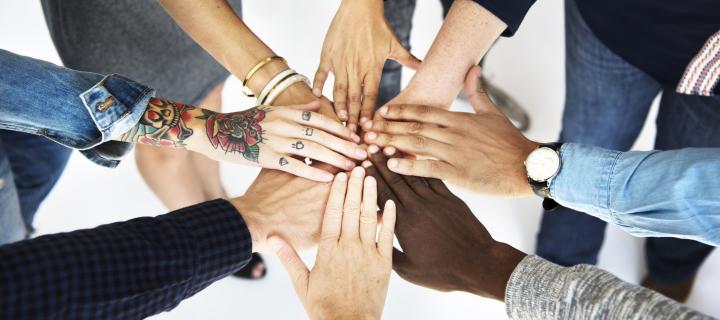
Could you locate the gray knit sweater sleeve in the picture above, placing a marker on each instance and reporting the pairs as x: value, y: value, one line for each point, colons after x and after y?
x: 539, y: 289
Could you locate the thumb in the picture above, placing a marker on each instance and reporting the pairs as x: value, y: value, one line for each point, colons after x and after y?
x: 475, y: 92
x: 299, y: 273
x: 403, y: 56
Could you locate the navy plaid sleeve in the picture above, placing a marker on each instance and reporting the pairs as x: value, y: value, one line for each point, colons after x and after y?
x: 125, y: 270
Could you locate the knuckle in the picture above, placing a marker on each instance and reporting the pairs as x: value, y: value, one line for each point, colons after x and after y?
x: 371, y: 96
x: 435, y: 166
x: 419, y: 142
x: 367, y: 218
x: 415, y: 127
x: 354, y: 98
x: 351, y: 208
x: 385, y: 194
x: 423, y: 109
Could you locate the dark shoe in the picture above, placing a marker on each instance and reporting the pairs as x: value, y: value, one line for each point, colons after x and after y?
x: 254, y: 270
x: 678, y: 291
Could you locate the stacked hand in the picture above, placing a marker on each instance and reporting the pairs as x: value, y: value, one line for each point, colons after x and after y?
x: 480, y: 151
x: 356, y: 47
x: 444, y: 245
x: 352, y: 269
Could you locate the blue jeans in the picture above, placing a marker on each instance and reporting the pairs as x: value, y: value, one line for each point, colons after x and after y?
x: 30, y: 165
x: 607, y: 101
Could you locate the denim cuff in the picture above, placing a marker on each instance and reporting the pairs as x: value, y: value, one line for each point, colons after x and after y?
x: 584, y: 180
x: 115, y: 104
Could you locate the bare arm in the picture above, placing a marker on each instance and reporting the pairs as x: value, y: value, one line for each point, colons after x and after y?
x: 467, y: 34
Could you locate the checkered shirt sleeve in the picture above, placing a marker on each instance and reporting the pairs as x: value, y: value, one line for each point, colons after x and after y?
x: 124, y: 270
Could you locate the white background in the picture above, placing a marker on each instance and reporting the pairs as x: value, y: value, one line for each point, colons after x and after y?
x: 529, y: 65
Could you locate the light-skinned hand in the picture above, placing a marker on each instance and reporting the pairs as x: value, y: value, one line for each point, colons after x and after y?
x: 351, y: 273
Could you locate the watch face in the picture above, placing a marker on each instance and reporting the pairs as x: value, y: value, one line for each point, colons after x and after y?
x: 542, y: 164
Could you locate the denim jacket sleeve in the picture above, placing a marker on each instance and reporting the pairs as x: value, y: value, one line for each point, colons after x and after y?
x: 80, y: 110
x: 649, y: 194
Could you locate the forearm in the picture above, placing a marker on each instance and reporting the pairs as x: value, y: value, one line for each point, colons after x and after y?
x: 468, y: 32
x: 539, y: 289
x: 645, y: 193
x: 129, y: 269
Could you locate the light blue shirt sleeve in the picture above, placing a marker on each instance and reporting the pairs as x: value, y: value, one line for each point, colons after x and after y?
x: 648, y: 194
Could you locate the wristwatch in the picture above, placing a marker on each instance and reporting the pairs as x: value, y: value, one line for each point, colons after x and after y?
x: 541, y: 166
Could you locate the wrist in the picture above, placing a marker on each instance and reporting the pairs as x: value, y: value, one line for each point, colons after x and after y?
x: 521, y: 178
x: 253, y: 221
x: 491, y: 270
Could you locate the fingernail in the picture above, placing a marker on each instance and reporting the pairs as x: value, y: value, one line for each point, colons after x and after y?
x: 373, y: 149
x: 342, y: 176
x: 383, y: 110
x: 392, y: 163
x: 363, y: 120
x: 349, y: 164
x: 358, y: 172
x: 361, y: 153
x: 368, y: 125
x: 366, y: 164
x: 342, y: 114
x: 389, y: 151
x: 371, y: 135
x: 275, y: 244
x: 356, y: 138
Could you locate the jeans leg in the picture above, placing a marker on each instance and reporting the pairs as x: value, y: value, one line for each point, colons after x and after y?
x: 37, y: 164
x: 683, y: 122
x: 606, y: 103
x: 12, y: 227
x: 399, y: 14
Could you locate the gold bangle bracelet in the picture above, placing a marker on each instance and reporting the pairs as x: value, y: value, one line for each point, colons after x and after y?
x: 245, y: 90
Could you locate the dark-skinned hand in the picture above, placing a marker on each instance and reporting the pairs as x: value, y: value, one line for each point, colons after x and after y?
x: 444, y: 245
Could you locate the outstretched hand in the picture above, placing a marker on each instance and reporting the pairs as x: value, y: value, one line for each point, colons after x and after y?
x: 357, y: 44
x: 444, y: 245
x: 352, y: 270
x: 482, y: 151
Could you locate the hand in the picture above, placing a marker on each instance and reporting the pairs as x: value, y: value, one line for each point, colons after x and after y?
x: 481, y: 152
x: 271, y: 136
x: 444, y: 245
x: 357, y: 44
x: 281, y: 204
x: 352, y: 269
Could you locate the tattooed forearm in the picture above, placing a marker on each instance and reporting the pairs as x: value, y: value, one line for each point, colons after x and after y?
x: 164, y: 123
x: 239, y: 132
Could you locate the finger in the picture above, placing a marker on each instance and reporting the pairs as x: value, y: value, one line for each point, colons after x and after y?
x: 354, y: 99
x: 418, y: 145
x: 387, y: 230
x: 351, y: 209
x: 296, y: 268
x: 310, y: 106
x: 431, y: 131
x: 475, y: 92
x: 439, y: 187
x: 312, y: 150
x: 293, y: 166
x: 340, y: 95
x: 327, y: 140
x: 384, y: 193
x: 395, y: 182
x: 368, y: 213
x: 370, y: 96
x: 333, y: 211
x: 421, y: 168
x: 319, y: 121
x: 420, y: 113
x: 404, y: 57
x: 320, y: 77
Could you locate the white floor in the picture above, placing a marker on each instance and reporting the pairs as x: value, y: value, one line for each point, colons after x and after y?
x: 530, y: 66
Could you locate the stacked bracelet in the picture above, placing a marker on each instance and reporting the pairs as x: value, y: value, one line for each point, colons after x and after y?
x: 282, y: 76
x: 246, y: 90
x: 283, y: 85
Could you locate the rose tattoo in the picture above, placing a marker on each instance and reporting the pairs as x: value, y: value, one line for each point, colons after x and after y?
x: 236, y: 132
